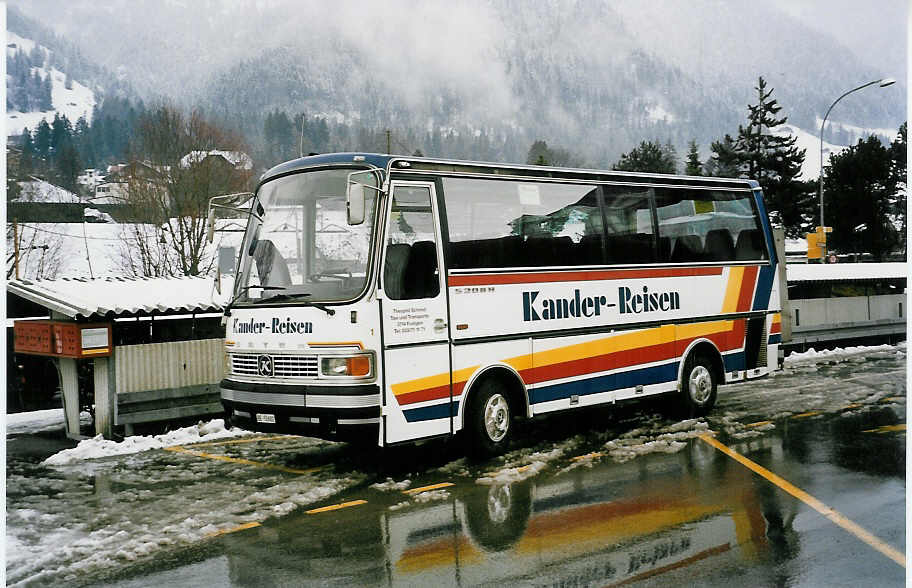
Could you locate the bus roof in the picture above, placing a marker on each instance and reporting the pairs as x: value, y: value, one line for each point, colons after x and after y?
x: 404, y: 163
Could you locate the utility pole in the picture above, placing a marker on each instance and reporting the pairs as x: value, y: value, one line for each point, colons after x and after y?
x: 388, y: 141
x: 16, y: 246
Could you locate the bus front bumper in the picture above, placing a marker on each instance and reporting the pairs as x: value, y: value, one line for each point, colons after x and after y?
x: 327, y: 412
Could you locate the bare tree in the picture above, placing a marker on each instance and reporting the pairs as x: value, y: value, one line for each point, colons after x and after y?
x: 38, y: 251
x: 177, y: 164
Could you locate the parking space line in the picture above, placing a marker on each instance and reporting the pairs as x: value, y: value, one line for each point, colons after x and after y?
x: 887, y: 429
x: 259, y: 464
x: 806, y: 498
x: 805, y: 415
x: 426, y: 488
x: 760, y: 424
x: 336, y: 506
x: 592, y: 455
x: 236, y: 441
x: 243, y: 527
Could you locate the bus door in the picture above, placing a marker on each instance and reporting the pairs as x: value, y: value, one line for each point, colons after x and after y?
x: 416, y: 334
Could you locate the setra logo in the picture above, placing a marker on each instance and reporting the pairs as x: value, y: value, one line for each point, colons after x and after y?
x: 265, y: 366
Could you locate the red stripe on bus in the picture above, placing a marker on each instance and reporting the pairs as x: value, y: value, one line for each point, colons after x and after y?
x: 431, y: 394
x: 747, y: 288
x: 599, y: 363
x: 579, y: 276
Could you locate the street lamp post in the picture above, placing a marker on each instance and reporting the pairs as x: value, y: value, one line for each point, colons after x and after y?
x: 884, y: 82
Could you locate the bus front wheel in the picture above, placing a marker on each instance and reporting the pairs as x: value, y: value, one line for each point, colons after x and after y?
x: 489, y: 421
x: 698, y: 385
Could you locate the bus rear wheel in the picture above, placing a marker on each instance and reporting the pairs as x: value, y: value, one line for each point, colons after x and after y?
x: 489, y: 421
x: 698, y: 386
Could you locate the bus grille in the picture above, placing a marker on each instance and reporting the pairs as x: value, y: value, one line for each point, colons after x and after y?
x: 285, y: 366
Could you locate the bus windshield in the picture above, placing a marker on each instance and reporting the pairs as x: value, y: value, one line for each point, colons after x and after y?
x: 301, y: 248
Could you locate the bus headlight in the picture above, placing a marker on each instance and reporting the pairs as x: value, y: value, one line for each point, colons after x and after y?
x: 352, y: 366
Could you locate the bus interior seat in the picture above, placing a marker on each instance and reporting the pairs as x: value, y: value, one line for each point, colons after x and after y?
x: 749, y: 245
x: 664, y: 249
x: 589, y: 250
x: 687, y: 248
x: 632, y: 248
x: 719, y: 246
x: 271, y: 266
x: 421, y: 279
x: 397, y: 259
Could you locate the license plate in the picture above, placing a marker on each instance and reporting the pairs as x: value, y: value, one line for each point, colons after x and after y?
x: 265, y: 418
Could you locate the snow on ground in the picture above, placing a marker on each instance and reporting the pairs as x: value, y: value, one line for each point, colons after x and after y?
x: 839, y: 353
x: 98, y: 447
x: 76, y: 102
x: 72, y: 522
x: 39, y: 421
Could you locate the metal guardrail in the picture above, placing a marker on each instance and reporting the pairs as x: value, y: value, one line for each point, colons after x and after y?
x: 856, y: 317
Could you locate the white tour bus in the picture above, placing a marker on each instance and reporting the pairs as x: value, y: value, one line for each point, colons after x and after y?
x: 406, y: 298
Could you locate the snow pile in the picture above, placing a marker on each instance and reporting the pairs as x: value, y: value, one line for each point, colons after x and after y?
x: 662, y: 439
x: 839, y: 354
x: 391, y: 485
x: 39, y: 421
x: 37, y: 190
x: 98, y: 447
x: 64, y: 524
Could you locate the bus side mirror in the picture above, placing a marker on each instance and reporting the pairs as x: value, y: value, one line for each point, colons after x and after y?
x: 354, y: 202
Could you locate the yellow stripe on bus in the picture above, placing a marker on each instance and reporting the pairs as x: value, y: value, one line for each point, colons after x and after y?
x: 604, y: 346
x: 735, y: 277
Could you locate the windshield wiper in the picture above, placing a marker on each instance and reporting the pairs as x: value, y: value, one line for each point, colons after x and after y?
x: 278, y: 297
x: 244, y: 290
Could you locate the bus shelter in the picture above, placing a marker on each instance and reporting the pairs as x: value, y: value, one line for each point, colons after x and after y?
x: 138, y: 350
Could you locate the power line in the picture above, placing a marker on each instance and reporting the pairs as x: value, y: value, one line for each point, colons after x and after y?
x: 42, y: 230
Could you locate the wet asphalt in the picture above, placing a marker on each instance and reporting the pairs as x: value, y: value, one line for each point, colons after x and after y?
x: 566, y: 507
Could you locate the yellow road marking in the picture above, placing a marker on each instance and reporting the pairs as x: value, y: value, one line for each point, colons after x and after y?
x: 759, y: 424
x: 592, y: 455
x: 243, y: 527
x: 236, y: 441
x: 851, y: 406
x: 806, y: 414
x: 887, y: 429
x: 806, y: 498
x: 892, y: 399
x: 426, y: 488
x: 259, y: 464
x: 336, y: 506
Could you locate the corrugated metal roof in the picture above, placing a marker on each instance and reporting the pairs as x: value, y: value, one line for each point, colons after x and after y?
x: 124, y: 297
x: 821, y: 272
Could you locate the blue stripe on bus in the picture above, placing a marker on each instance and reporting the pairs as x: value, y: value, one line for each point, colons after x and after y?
x: 764, y: 287
x: 651, y: 375
x: 734, y: 362
x: 777, y: 338
x: 429, y: 413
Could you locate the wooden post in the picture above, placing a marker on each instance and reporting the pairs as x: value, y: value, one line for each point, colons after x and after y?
x: 69, y: 382
x: 16, y: 246
x: 105, y: 398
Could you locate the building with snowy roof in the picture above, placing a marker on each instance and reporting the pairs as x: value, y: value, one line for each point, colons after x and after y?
x: 139, y: 350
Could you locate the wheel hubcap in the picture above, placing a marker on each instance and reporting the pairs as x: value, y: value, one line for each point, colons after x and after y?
x: 700, y: 384
x: 496, y: 417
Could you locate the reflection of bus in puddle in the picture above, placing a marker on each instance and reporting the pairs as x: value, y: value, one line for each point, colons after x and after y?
x: 608, y: 524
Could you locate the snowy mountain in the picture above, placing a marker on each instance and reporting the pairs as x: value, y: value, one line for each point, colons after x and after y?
x: 73, y: 102
x: 595, y: 76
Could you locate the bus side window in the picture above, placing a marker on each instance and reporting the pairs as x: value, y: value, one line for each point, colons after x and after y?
x: 410, y: 267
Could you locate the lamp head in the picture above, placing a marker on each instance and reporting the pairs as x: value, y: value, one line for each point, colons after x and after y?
x: 887, y: 82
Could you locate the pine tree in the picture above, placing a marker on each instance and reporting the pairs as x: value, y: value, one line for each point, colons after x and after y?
x: 773, y: 160
x: 651, y: 157
x: 539, y: 153
x: 693, y: 167
x: 725, y: 162
x: 43, y: 139
x: 858, y: 190
x: 28, y: 153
